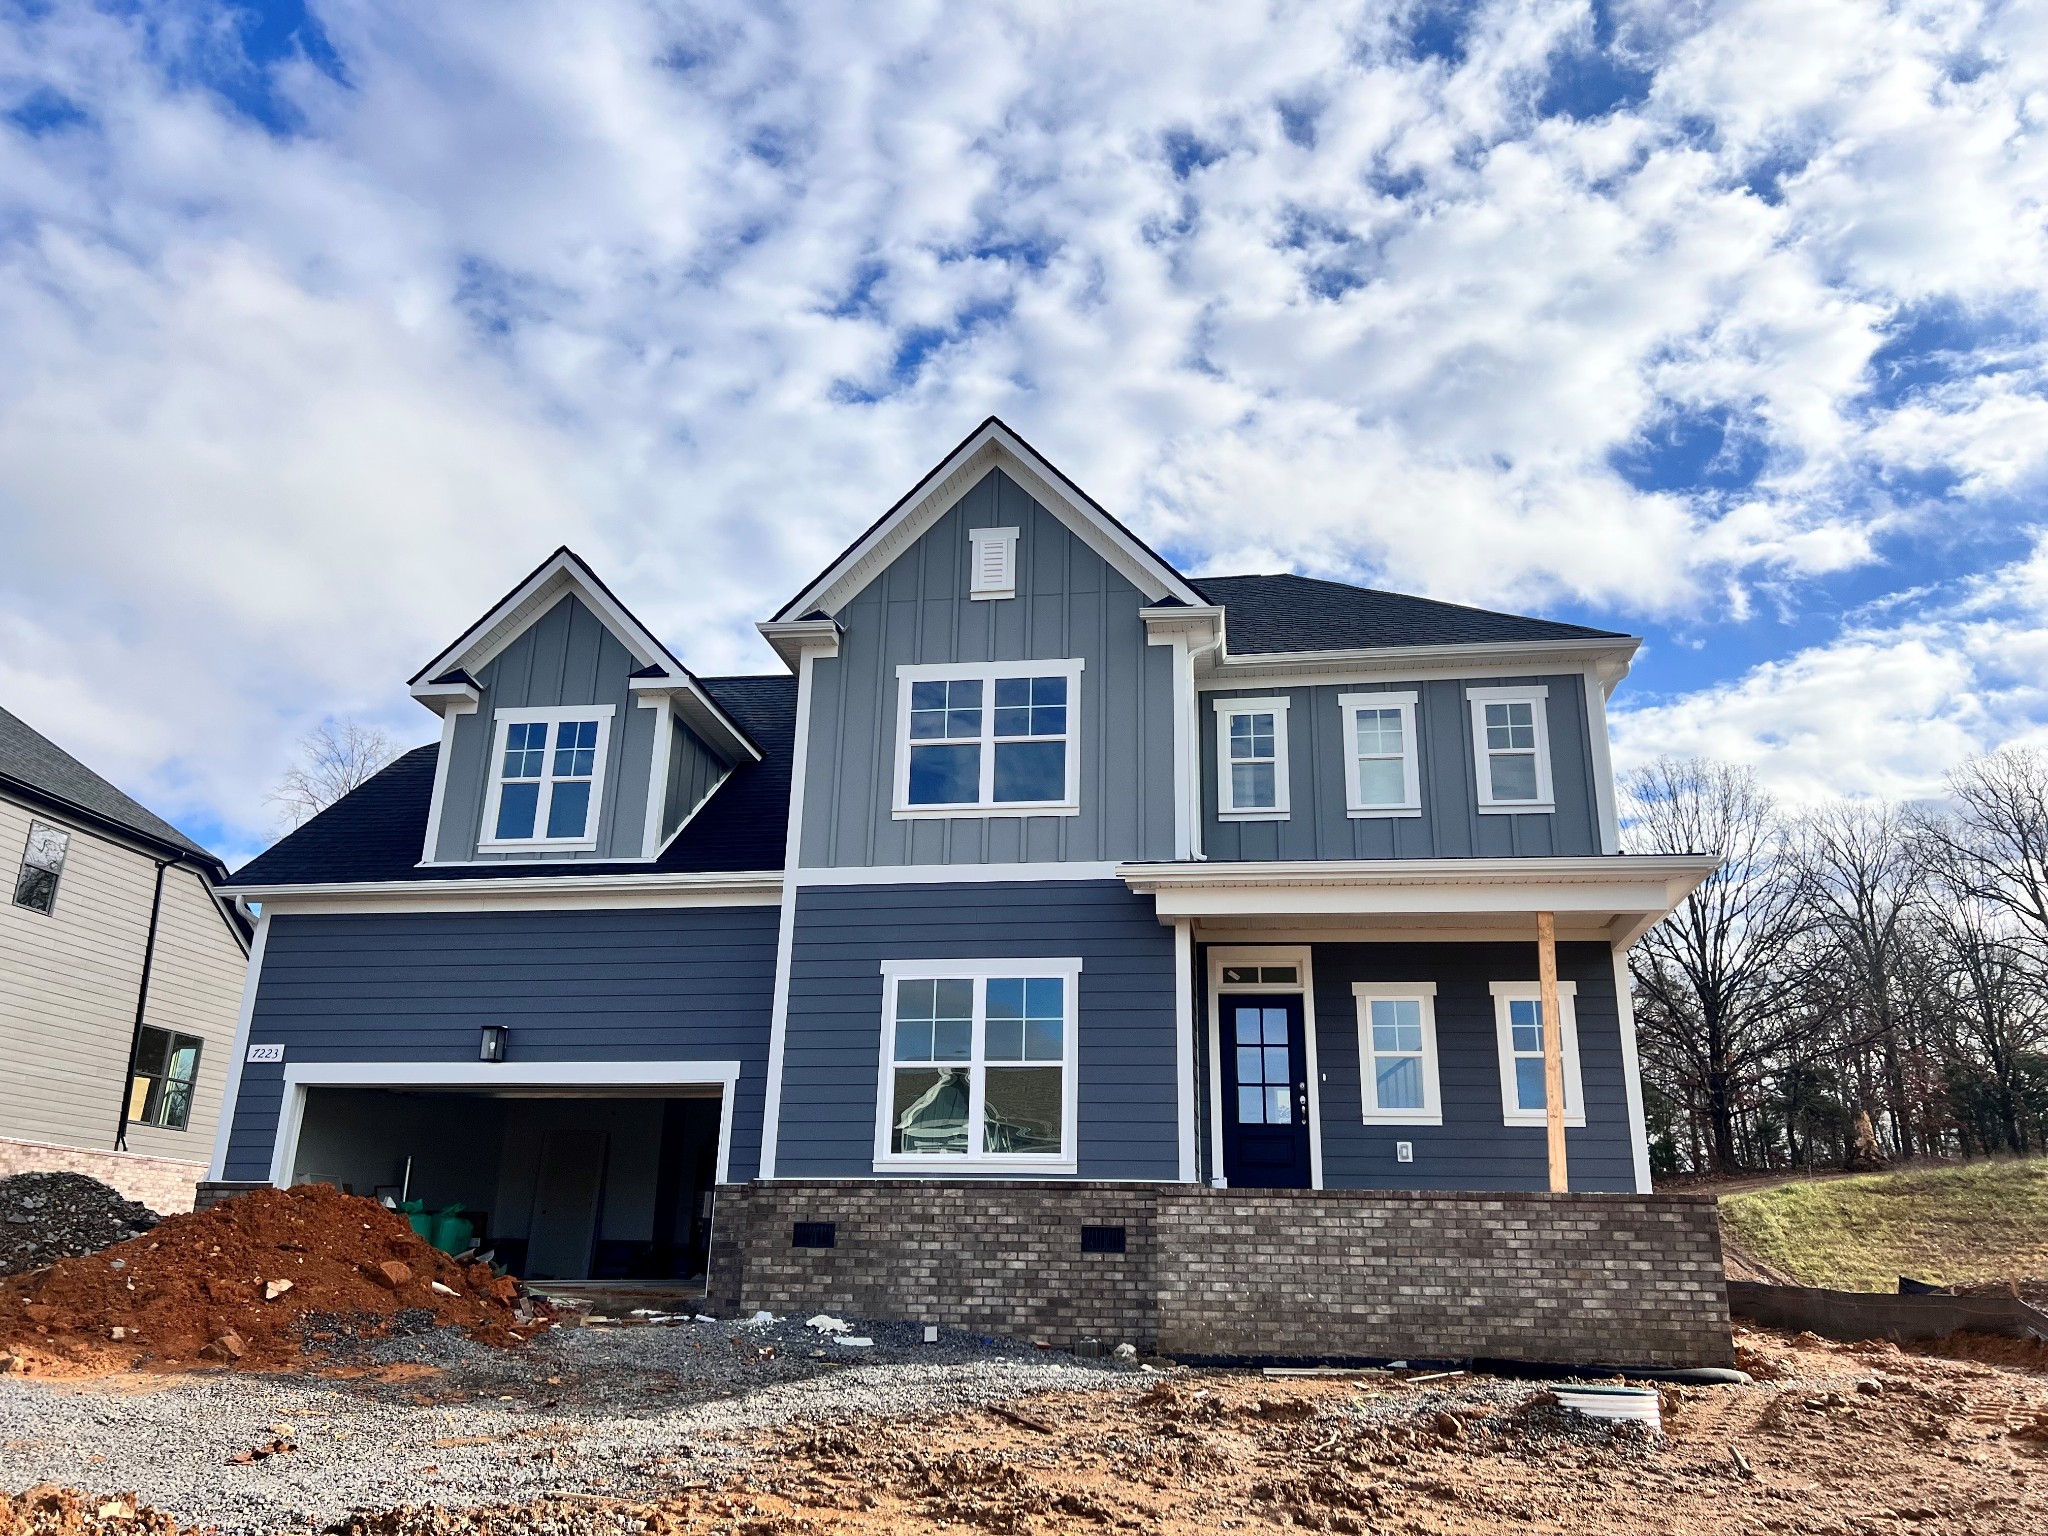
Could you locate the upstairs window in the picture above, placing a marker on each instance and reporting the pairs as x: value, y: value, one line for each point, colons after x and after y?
x: 1519, y: 1025
x: 548, y: 778
x: 1251, y: 759
x: 995, y: 737
x: 42, y: 864
x: 1511, y: 748
x: 160, y: 1086
x: 1383, y: 775
x: 978, y: 1063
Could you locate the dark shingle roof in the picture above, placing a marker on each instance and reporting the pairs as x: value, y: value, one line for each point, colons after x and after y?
x: 31, y: 761
x: 1266, y: 614
x: 376, y: 832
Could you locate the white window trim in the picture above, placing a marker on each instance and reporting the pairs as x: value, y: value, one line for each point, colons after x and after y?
x: 552, y: 714
x: 979, y: 539
x: 988, y: 672
x: 1531, y: 693
x: 1366, y: 993
x: 1505, y: 992
x: 1302, y: 957
x: 1411, y: 759
x: 1068, y: 970
x: 1226, y: 807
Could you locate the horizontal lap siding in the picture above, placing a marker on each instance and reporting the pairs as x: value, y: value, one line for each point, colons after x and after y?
x: 1471, y: 1150
x: 666, y: 985
x: 832, y: 1053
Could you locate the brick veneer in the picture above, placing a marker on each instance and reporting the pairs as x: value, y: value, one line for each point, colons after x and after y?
x: 1272, y: 1274
x: 163, y: 1184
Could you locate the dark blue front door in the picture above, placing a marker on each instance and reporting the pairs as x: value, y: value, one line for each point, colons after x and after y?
x: 1265, y: 1093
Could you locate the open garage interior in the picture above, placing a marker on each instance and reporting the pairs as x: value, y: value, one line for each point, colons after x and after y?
x: 561, y: 1185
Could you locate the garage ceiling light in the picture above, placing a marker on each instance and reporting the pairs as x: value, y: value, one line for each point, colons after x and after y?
x: 493, y: 1046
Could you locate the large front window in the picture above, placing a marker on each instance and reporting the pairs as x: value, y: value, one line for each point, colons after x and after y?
x: 989, y: 738
x: 1520, y: 1027
x: 1397, y: 1051
x: 978, y: 1063
x: 548, y: 774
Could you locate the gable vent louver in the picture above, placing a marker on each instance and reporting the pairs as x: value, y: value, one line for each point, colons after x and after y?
x: 992, y: 562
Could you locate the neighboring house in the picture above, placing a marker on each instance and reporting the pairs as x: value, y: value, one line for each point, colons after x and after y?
x: 121, y: 966
x: 1043, y: 861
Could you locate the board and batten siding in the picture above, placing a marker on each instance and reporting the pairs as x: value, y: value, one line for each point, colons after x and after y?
x: 1472, y: 1149
x: 694, y: 770
x: 1070, y: 603
x: 1451, y: 825
x: 69, y: 983
x: 1127, y: 1114
x: 567, y: 656
x: 633, y: 985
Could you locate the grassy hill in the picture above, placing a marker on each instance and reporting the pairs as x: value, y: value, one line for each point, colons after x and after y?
x: 1978, y: 1221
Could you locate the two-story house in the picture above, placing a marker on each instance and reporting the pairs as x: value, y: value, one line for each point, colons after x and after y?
x: 1042, y: 861
x: 120, y: 968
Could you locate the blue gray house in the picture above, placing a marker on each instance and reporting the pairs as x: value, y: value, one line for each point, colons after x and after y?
x: 1039, y: 861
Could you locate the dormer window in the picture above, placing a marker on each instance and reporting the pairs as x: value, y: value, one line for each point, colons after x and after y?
x: 547, y: 787
x: 992, y: 557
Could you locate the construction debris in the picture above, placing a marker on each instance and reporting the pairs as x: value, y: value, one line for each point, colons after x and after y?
x: 254, y: 1281
x: 49, y: 1216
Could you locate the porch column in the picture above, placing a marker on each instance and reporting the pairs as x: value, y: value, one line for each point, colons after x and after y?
x: 1553, y: 1049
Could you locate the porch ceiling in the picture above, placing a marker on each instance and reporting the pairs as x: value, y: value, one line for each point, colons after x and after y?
x: 1614, y: 898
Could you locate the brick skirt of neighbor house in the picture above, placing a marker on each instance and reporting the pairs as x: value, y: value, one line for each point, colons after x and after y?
x: 1230, y: 1274
x: 164, y: 1184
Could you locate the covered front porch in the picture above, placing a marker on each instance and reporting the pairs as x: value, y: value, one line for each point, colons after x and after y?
x: 1382, y: 1024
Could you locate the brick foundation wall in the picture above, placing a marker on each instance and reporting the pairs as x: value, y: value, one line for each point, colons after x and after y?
x: 164, y: 1184
x: 1261, y: 1274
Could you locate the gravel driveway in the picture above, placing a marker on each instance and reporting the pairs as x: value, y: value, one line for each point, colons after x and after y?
x: 630, y: 1411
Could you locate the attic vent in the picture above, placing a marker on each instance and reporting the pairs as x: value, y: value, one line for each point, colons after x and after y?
x: 992, y: 556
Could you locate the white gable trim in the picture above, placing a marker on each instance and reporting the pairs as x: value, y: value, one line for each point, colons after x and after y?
x: 992, y: 446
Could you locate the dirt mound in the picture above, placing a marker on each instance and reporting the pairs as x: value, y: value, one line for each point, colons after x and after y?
x: 49, y: 1510
x: 259, y: 1280
x: 49, y: 1216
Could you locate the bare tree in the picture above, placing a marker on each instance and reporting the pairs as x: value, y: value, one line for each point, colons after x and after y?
x: 1719, y: 978
x: 1995, y: 848
x: 334, y: 758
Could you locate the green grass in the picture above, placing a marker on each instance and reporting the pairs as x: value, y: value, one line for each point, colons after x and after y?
x: 1978, y: 1221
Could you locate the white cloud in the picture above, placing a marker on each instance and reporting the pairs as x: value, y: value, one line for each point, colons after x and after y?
x: 280, y: 412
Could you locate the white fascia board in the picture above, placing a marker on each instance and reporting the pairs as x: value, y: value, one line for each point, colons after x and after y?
x: 522, y: 892
x: 791, y: 638
x: 992, y: 446
x: 1638, y: 888
x: 1609, y: 658
x: 696, y: 709
x: 446, y: 699
x: 563, y: 572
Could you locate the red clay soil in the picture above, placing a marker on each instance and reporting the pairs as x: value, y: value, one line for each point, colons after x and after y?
x: 196, y: 1290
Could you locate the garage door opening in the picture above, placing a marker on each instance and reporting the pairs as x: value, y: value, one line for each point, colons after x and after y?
x: 563, y: 1184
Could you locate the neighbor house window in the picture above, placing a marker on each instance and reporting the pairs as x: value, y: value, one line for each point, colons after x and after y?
x: 1397, y: 1051
x: 1382, y: 773
x: 978, y: 1064
x: 1519, y: 1023
x: 1511, y: 745
x: 160, y: 1087
x: 989, y: 738
x: 1251, y: 759
x: 547, y: 778
x: 42, y: 863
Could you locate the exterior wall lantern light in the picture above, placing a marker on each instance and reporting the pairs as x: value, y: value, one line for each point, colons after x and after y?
x: 493, y: 1046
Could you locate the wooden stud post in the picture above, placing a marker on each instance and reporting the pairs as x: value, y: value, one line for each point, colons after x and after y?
x: 1553, y: 1049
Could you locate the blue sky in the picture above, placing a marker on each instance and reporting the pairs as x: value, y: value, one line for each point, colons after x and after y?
x: 321, y: 323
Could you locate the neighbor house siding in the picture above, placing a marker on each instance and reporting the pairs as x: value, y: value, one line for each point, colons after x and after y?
x: 832, y: 1050
x: 682, y: 984
x: 567, y: 656
x: 1070, y: 603
x: 69, y: 982
x: 1451, y: 826
x: 1472, y: 1149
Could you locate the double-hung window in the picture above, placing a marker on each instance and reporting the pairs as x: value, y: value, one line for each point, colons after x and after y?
x: 42, y: 865
x: 1251, y: 759
x: 978, y: 1064
x: 160, y: 1086
x: 1382, y: 774
x: 1511, y: 748
x: 547, y: 778
x: 1397, y: 1052
x: 1518, y: 1021
x: 984, y: 738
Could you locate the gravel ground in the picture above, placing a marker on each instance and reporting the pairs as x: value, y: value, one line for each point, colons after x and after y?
x: 633, y: 1411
